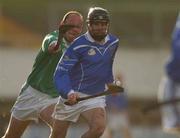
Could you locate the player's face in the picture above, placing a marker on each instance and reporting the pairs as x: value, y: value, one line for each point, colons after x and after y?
x: 74, y: 32
x: 98, y: 29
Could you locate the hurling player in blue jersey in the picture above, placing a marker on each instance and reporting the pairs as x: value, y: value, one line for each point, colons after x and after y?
x: 170, y: 86
x: 85, y: 69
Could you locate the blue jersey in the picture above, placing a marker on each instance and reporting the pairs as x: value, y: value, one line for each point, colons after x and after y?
x: 173, y: 65
x: 86, y: 66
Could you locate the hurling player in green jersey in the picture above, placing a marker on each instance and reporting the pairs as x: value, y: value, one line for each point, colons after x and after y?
x: 38, y: 95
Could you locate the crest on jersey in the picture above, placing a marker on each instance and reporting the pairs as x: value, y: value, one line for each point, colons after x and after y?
x: 66, y: 57
x: 91, y: 52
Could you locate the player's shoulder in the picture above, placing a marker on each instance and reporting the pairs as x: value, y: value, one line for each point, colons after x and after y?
x: 113, y: 38
x: 51, y: 35
x: 79, y: 41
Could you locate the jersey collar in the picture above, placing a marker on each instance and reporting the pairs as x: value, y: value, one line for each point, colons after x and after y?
x: 89, y: 37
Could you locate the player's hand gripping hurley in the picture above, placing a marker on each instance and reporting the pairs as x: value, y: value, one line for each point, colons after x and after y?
x: 112, y: 89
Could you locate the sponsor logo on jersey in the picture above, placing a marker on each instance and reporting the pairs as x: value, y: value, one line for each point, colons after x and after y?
x: 91, y: 52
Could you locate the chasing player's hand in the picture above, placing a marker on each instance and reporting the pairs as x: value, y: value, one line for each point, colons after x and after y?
x: 72, y: 98
x: 63, y: 28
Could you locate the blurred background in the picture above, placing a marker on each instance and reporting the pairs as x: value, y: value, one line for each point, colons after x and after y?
x: 144, y: 28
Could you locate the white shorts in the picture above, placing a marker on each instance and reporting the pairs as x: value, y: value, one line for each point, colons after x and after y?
x: 169, y: 90
x: 30, y: 103
x: 72, y: 113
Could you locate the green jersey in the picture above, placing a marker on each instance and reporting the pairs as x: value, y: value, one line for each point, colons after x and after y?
x: 41, y: 76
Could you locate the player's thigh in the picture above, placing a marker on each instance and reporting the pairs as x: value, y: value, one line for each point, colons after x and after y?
x: 95, y: 117
x: 60, y: 128
x: 16, y: 128
x: 46, y: 114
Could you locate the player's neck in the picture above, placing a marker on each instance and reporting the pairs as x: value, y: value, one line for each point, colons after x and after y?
x: 100, y: 42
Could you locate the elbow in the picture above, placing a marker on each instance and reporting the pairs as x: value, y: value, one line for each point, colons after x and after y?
x: 59, y: 80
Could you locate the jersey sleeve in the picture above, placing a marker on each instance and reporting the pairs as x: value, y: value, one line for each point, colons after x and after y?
x: 173, y: 63
x: 48, y: 40
x: 176, y: 40
x: 61, y: 75
x: 110, y: 77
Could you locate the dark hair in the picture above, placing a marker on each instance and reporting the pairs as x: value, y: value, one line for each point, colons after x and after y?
x: 97, y: 13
